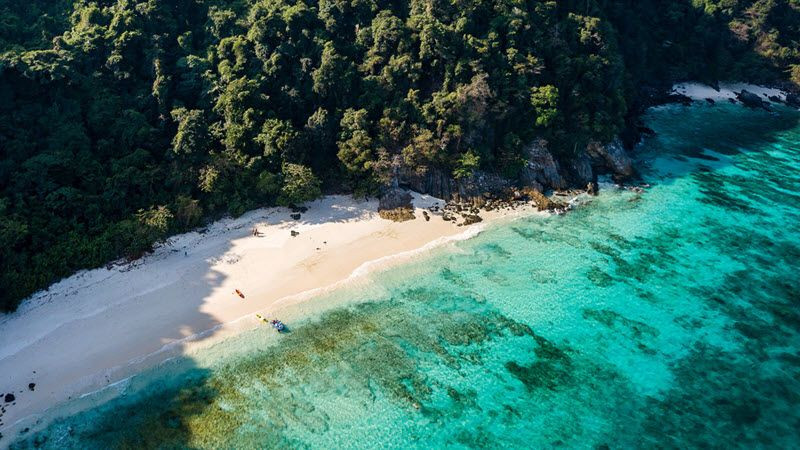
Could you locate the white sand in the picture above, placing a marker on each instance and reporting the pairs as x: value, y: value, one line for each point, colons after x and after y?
x: 98, y: 327
x: 699, y: 91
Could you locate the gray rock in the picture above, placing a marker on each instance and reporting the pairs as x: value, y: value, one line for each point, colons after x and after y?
x: 542, y: 168
x: 581, y: 169
x: 469, y: 219
x: 395, y: 198
x: 613, y: 156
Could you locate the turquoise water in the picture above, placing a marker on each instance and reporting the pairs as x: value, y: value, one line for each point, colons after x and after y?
x: 664, y: 319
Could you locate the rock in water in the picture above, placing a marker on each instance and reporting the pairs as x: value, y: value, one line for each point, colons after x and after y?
x: 9, y: 398
x: 31, y: 386
x: 295, y: 216
x: 751, y: 100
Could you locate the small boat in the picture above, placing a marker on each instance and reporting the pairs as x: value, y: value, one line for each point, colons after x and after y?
x: 278, y: 325
x: 262, y: 318
x: 239, y: 293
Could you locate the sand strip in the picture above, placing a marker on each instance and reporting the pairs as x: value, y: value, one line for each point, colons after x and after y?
x: 98, y: 327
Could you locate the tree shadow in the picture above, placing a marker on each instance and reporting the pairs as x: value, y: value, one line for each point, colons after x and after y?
x: 698, y: 133
x: 116, y: 302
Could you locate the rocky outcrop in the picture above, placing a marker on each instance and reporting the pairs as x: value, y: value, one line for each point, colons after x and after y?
x: 469, y: 219
x: 611, y: 156
x: 752, y: 100
x: 395, y: 198
x: 581, y: 171
x: 543, y: 203
x: 432, y: 181
x: 395, y: 204
x: 397, y: 214
x: 793, y: 99
x: 542, y: 170
x: 479, y: 184
x: 436, y: 183
x: 541, y: 173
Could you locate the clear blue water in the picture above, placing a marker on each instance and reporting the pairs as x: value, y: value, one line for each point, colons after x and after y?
x: 664, y: 319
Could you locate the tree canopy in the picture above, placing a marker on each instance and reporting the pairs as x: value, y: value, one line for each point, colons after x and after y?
x: 124, y: 120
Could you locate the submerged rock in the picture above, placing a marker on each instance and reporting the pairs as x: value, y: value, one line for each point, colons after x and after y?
x: 9, y: 398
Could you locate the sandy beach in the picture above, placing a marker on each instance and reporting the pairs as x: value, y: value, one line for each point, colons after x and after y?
x: 727, y: 91
x: 100, y: 326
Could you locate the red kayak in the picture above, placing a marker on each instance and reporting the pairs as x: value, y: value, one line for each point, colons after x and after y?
x: 239, y: 293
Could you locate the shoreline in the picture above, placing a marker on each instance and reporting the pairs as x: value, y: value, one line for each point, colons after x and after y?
x: 96, y: 329
x: 727, y: 91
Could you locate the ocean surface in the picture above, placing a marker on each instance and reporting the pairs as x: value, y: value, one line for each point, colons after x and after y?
x: 668, y: 318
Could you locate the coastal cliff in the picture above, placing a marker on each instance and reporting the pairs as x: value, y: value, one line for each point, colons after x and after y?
x: 542, y: 172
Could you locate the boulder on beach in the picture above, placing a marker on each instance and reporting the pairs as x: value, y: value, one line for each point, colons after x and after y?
x: 469, y: 219
x: 397, y: 214
x: 395, y: 198
x: 543, y: 203
x: 395, y: 204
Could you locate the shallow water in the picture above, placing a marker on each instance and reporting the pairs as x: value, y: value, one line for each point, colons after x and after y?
x: 668, y: 318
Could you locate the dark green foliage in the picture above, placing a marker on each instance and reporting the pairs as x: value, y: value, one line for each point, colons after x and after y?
x: 124, y: 120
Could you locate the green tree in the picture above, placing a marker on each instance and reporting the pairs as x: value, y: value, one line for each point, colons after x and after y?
x: 299, y: 185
